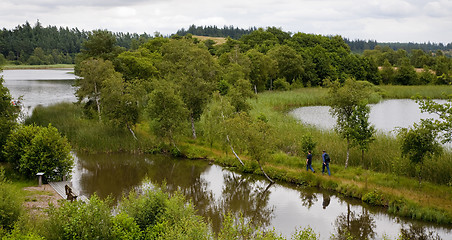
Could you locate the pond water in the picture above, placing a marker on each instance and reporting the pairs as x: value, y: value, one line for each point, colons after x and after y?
x: 386, y: 116
x: 213, y: 189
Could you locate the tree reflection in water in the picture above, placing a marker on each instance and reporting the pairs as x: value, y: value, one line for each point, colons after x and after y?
x: 308, y: 198
x: 243, y: 196
x: 352, y: 225
x: 415, y: 231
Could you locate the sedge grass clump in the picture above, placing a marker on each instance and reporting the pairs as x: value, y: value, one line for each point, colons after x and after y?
x: 375, y: 198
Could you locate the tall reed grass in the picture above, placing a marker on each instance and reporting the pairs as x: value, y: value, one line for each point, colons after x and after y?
x: 430, y: 91
x: 90, y: 135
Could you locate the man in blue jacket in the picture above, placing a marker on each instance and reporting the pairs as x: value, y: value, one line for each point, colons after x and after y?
x: 326, y: 162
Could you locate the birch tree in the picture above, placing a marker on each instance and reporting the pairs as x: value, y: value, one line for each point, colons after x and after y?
x: 344, y: 100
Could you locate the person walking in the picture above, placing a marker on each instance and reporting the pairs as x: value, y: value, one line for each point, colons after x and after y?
x: 326, y: 162
x: 309, y: 162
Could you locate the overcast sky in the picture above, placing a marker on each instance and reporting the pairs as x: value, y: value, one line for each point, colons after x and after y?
x: 381, y: 20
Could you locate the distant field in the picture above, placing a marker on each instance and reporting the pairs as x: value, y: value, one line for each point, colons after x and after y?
x: 217, y: 40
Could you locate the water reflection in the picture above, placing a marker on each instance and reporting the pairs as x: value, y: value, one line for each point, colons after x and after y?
x: 308, y: 198
x: 326, y: 200
x: 416, y: 231
x: 215, y: 191
x: 353, y: 225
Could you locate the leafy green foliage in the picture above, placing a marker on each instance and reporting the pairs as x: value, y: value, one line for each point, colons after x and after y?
x: 80, y: 220
x: 32, y: 149
x: 11, y: 208
x: 349, y: 105
x: 162, y: 217
x: 101, y: 44
x: 443, y: 111
x: 289, y: 63
x: 419, y: 142
x: 307, y: 143
x: 10, y: 112
x: 305, y: 234
x: 166, y: 110
x: 214, y: 117
x: 125, y: 227
x: 119, y: 103
x: 93, y: 72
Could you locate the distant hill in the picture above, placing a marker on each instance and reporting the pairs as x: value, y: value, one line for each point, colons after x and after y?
x: 356, y: 46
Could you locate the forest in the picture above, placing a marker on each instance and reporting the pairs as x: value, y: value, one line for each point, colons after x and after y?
x: 38, y: 45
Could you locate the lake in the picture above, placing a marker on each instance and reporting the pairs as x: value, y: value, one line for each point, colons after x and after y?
x: 40, y: 86
x: 213, y: 189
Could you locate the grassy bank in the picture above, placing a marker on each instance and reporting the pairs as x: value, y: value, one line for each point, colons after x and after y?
x: 382, y: 179
x: 430, y: 91
x: 11, y: 66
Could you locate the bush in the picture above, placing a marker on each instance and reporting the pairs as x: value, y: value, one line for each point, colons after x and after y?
x: 32, y: 149
x: 10, y: 204
x: 375, y: 198
x: 162, y: 217
x: 281, y: 84
x: 79, y: 220
x: 125, y: 227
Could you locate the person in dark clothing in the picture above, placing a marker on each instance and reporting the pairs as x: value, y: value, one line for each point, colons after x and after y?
x: 326, y: 162
x: 309, y: 162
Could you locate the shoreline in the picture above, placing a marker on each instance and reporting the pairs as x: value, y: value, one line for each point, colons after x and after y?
x: 25, y: 67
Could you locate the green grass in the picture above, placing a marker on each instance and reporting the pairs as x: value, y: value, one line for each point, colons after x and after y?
x: 7, y: 67
x: 401, y: 92
x: 90, y: 135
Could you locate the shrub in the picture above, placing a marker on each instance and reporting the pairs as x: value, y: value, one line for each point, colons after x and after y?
x: 32, y: 149
x: 10, y: 204
x: 281, y: 84
x: 162, y: 217
x: 374, y: 198
x: 145, y: 209
x: 79, y: 220
x: 125, y: 227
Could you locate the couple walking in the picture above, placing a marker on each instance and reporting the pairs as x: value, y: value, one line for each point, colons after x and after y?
x: 325, y: 159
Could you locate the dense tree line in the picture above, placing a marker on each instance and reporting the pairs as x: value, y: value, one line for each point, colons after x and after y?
x: 214, y: 31
x: 27, y: 44
x: 359, y: 46
x: 356, y: 46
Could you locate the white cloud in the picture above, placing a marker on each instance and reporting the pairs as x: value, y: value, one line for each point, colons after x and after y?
x: 382, y: 20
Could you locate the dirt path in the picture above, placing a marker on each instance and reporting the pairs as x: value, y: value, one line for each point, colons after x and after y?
x: 38, y: 198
